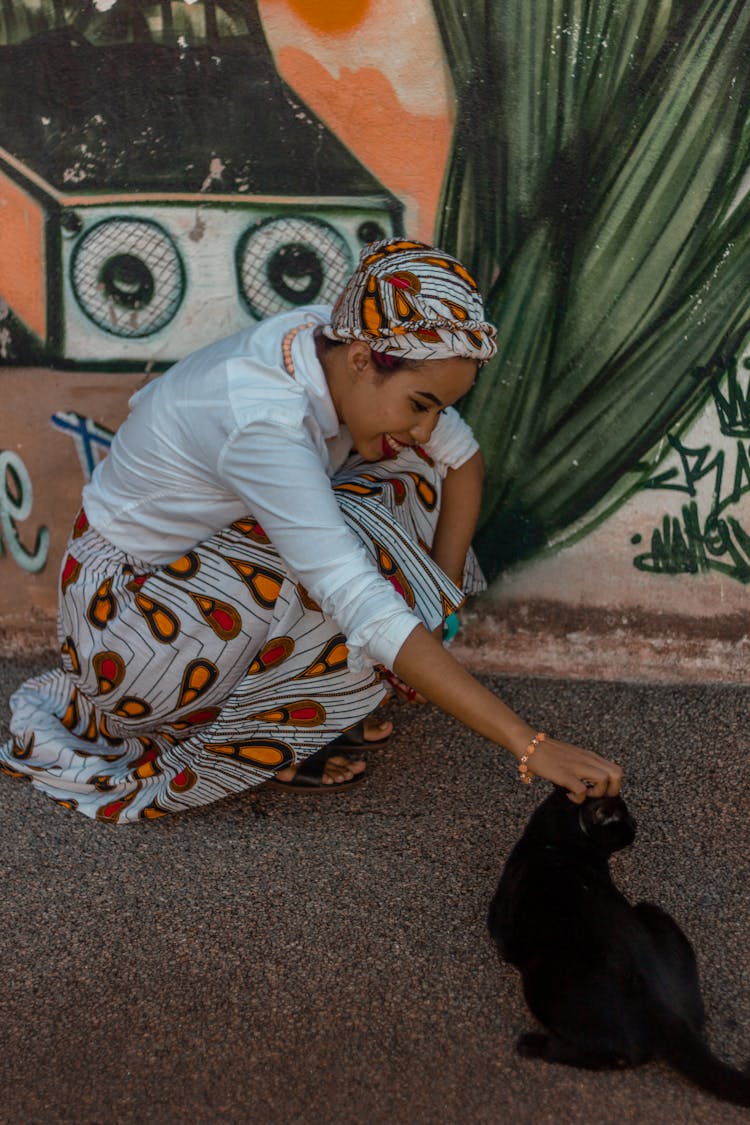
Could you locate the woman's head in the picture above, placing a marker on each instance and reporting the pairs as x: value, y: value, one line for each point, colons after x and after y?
x: 411, y: 300
x: 389, y: 402
x: 412, y: 335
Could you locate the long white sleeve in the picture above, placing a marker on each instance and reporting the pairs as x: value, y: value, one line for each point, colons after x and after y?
x: 452, y: 442
x: 276, y: 470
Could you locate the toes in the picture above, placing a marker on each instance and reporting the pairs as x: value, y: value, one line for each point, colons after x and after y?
x: 375, y: 729
x: 339, y: 768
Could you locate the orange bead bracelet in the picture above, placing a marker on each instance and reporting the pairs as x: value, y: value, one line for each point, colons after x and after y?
x: 523, y: 769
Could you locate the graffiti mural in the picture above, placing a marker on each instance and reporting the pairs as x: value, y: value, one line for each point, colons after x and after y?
x: 711, y: 531
x: 91, y: 440
x: 154, y: 216
x: 174, y: 170
x: 597, y: 192
x: 16, y: 499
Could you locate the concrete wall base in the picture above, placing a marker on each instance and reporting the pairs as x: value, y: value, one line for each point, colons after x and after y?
x: 552, y: 639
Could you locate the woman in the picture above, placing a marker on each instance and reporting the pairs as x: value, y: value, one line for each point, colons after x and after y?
x: 282, y: 523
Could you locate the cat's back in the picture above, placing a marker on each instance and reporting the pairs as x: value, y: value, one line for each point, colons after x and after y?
x: 551, y: 903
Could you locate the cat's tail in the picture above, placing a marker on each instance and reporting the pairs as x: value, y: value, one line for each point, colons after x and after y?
x: 684, y: 1049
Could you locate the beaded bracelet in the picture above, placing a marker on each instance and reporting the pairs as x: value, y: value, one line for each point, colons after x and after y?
x: 523, y: 769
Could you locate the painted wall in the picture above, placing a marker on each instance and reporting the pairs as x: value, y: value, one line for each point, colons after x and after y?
x: 172, y: 172
x: 679, y: 544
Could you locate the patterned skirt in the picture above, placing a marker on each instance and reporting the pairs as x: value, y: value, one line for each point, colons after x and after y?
x: 185, y: 683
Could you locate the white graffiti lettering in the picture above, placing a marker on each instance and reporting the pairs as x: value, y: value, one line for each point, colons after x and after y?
x: 16, y: 499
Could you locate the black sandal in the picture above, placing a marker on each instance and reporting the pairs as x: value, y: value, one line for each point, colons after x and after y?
x: 354, y: 739
x: 309, y: 776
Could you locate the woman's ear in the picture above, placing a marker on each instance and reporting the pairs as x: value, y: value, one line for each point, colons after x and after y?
x: 359, y: 356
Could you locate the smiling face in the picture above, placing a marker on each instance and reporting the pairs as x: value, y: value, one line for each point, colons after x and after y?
x: 386, y: 411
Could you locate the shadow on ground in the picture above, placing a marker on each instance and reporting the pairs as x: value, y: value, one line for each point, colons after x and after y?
x: 278, y: 958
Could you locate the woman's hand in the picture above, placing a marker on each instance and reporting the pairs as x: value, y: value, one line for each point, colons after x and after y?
x: 401, y: 690
x: 582, y: 772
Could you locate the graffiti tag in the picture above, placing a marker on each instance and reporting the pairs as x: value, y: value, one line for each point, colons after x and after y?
x: 691, y: 543
x: 91, y: 440
x: 15, y: 507
x: 698, y: 464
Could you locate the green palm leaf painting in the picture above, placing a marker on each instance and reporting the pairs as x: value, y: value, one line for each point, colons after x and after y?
x: 598, y: 155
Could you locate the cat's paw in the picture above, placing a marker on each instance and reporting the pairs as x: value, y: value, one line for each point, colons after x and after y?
x: 532, y: 1044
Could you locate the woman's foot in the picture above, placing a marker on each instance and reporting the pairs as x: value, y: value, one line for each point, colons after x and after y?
x: 336, y: 771
x: 376, y: 730
x: 339, y: 768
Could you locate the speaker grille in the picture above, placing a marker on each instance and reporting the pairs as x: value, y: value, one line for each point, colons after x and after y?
x: 283, y: 263
x: 128, y: 277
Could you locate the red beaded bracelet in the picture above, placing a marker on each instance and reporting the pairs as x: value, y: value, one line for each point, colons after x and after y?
x: 523, y: 769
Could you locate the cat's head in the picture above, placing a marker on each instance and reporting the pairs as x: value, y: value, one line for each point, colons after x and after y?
x: 606, y: 822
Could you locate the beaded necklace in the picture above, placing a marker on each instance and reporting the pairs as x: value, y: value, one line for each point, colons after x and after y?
x: 286, y: 345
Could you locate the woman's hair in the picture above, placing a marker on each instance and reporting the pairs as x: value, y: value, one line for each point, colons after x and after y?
x: 386, y: 362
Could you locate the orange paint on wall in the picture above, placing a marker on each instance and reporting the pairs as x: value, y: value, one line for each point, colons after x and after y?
x: 407, y: 151
x: 22, y: 262
x: 331, y: 16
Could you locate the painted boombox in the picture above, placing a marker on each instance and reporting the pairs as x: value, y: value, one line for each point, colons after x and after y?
x: 160, y: 185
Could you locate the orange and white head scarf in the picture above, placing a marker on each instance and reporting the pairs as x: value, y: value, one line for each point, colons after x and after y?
x: 413, y: 301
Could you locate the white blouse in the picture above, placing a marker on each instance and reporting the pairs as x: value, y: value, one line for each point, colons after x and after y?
x: 228, y: 432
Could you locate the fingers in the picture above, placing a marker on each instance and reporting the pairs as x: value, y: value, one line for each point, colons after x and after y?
x: 595, y: 787
x: 615, y: 779
x: 583, y: 773
x: 402, y: 689
x: 590, y: 775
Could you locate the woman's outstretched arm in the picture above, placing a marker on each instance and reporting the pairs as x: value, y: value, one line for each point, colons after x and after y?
x: 428, y: 667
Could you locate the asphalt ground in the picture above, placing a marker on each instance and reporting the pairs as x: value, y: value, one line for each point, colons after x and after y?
x: 323, y: 959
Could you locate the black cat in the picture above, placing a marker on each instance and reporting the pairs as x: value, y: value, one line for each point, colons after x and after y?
x: 613, y: 984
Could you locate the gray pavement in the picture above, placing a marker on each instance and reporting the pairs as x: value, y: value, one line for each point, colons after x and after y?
x: 278, y: 958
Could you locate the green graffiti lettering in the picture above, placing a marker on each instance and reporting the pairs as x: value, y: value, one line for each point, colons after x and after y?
x: 694, y: 466
x: 15, y: 507
x: 682, y: 545
x: 741, y: 478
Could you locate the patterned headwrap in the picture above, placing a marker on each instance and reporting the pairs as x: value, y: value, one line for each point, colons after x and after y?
x: 413, y: 301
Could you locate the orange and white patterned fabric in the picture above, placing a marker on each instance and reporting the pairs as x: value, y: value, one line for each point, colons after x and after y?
x: 228, y: 430
x: 189, y: 682
x: 414, y: 301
